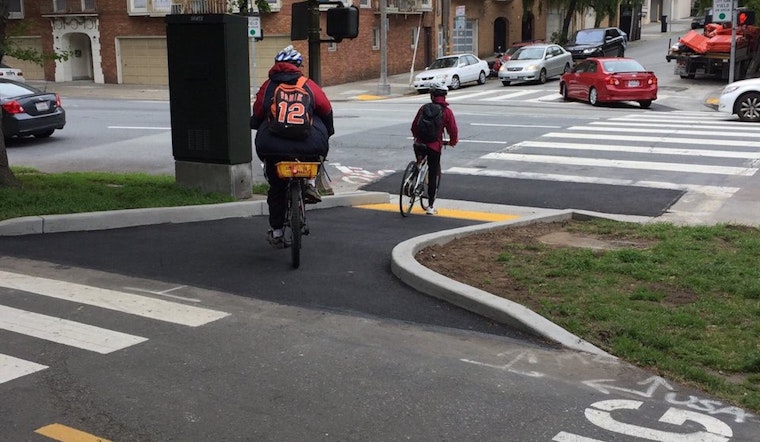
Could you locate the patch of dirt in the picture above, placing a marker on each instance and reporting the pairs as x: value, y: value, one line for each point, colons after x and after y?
x: 473, y: 260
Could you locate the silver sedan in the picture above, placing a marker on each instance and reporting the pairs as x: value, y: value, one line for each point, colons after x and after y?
x: 536, y: 62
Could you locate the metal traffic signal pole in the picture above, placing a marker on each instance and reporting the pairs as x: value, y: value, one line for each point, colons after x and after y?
x: 732, y: 56
x: 315, y: 62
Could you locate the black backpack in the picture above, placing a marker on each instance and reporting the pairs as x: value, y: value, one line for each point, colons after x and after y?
x: 430, y: 122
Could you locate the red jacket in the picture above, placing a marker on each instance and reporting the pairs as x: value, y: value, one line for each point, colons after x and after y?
x: 283, y: 72
x: 449, y: 124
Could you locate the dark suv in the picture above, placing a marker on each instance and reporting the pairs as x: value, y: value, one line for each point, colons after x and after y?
x: 596, y: 42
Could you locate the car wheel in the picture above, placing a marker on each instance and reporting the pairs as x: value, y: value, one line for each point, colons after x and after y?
x: 44, y: 134
x: 563, y: 91
x: 645, y: 104
x: 482, y: 78
x: 747, y: 107
x: 454, y: 83
x: 593, y: 97
x: 542, y: 76
x: 421, y: 91
x: 506, y: 83
x: 621, y: 52
x: 567, y: 68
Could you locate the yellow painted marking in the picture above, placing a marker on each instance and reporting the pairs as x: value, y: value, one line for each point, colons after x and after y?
x: 712, y: 100
x: 369, y: 97
x: 67, y: 434
x: 447, y: 213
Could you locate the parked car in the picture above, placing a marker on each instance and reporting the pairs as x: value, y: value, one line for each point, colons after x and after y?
x: 29, y: 111
x: 741, y: 98
x: 453, y: 71
x: 602, y: 80
x: 597, y: 42
x: 11, y: 73
x: 535, y: 62
x: 701, y: 20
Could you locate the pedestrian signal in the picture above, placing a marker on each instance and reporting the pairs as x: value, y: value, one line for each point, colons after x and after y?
x: 745, y: 18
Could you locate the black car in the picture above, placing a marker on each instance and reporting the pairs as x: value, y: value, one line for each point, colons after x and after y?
x: 702, y: 20
x: 596, y: 42
x: 29, y: 111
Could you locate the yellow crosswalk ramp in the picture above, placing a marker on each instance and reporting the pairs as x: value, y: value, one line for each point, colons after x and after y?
x: 63, y: 433
x: 448, y: 213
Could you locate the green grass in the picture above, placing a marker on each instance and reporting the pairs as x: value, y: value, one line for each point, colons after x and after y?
x: 47, y: 194
x: 684, y: 302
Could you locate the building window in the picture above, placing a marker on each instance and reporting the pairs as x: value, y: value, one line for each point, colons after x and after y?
x: 375, y: 39
x: 59, y: 5
x: 16, y: 9
x: 274, y: 5
x: 161, y: 7
x: 137, y: 7
x: 365, y: 3
x: 332, y: 46
x: 415, y: 31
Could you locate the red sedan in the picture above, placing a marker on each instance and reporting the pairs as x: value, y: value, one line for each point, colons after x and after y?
x: 603, y: 80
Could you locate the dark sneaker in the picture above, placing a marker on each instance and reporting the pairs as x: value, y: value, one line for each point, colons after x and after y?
x: 311, y: 195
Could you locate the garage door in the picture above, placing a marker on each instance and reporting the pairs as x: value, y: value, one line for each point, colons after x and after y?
x: 143, y: 60
x: 265, y: 51
x: 32, y: 71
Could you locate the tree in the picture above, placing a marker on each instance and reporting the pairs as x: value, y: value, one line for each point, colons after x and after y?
x: 7, y: 179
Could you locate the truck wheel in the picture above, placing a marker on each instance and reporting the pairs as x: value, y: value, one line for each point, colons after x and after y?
x: 747, y: 107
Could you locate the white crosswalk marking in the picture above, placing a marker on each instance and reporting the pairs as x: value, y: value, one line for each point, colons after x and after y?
x: 63, y: 331
x: 79, y: 335
x: 12, y: 368
x: 123, y: 302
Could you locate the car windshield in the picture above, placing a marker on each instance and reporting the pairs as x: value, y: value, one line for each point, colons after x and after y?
x: 14, y: 90
x: 448, y: 62
x: 589, y: 36
x: 512, y: 50
x: 529, y: 53
x: 623, y: 66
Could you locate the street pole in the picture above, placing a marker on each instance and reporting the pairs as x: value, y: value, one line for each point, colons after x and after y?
x: 732, y: 57
x: 315, y: 62
x: 445, y: 17
x: 383, y: 88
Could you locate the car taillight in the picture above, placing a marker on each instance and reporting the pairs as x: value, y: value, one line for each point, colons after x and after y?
x: 58, y: 100
x: 613, y: 81
x: 652, y: 81
x: 13, y: 107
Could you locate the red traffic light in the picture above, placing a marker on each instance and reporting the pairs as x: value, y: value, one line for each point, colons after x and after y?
x: 745, y: 18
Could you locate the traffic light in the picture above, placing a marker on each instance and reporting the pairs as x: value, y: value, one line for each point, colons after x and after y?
x: 745, y: 18
x: 343, y: 22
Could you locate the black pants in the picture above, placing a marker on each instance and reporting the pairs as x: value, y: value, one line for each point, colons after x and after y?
x: 434, y: 173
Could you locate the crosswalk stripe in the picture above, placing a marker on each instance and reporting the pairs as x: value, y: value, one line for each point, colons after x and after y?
x: 663, y: 139
x: 708, y: 190
x: 113, y: 300
x: 63, y: 331
x: 452, y: 97
x: 550, y: 97
x: 639, y: 149
x: 625, y: 164
x: 508, y: 96
x: 653, y: 130
x: 659, y: 123
x: 12, y: 368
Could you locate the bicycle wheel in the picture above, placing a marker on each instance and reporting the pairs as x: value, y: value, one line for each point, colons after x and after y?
x: 406, y: 195
x: 296, y: 222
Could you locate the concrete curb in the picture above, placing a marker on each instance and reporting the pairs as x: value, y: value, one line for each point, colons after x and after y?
x: 408, y: 270
x: 117, y: 219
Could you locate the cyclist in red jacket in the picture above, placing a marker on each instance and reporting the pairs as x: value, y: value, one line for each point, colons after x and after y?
x: 438, y: 92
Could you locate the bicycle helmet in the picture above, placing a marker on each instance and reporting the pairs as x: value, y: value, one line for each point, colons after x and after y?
x: 438, y: 89
x: 289, y: 55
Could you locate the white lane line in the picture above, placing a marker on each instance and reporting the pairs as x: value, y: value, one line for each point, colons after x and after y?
x: 692, y: 141
x: 720, y: 133
x: 63, y: 331
x: 550, y: 97
x: 663, y: 123
x: 515, y: 125
x: 12, y: 368
x: 706, y: 190
x: 110, y: 299
x: 625, y: 164
x: 640, y: 149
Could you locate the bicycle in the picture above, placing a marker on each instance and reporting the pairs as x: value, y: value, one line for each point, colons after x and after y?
x: 297, y: 173
x: 414, y: 184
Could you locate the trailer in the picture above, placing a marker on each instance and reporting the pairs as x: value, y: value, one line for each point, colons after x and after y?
x: 708, y: 54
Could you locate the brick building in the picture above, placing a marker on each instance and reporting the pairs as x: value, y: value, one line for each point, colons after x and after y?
x: 123, y: 41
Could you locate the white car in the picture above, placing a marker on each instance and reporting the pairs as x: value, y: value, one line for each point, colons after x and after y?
x: 536, y: 62
x: 10, y: 73
x: 453, y: 71
x: 741, y: 98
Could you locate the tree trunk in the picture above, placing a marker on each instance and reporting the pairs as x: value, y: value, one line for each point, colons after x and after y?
x: 7, y: 178
x: 568, y: 18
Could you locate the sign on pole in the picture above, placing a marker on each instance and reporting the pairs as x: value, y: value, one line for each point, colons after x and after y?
x: 722, y: 10
x: 254, y: 27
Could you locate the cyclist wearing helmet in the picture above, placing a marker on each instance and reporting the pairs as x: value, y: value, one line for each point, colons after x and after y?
x: 271, y: 148
x: 433, y: 149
